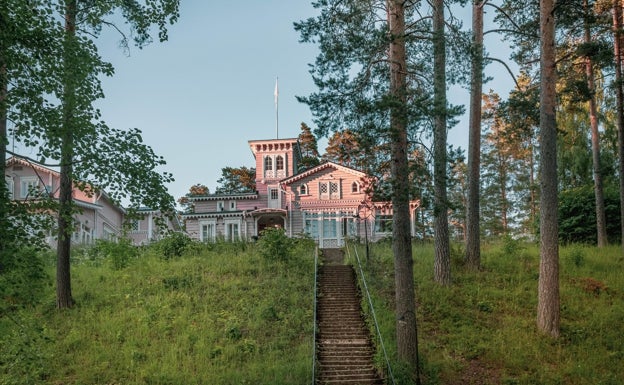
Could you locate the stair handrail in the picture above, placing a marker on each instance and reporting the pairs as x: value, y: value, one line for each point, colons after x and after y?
x: 316, y: 252
x: 372, y: 310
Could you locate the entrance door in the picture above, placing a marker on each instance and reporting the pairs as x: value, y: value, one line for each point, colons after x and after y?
x: 325, y: 228
x: 274, y: 198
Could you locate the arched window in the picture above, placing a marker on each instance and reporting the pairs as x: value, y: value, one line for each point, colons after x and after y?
x: 279, y: 162
x: 303, y: 189
x: 268, y: 163
x: 355, y: 187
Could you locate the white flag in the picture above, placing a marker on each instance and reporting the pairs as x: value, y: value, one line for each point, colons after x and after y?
x: 276, y: 92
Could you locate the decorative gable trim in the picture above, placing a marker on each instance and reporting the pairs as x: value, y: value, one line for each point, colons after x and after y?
x: 321, y: 167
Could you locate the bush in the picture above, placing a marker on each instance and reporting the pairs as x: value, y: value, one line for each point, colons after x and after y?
x: 118, y: 253
x: 577, y: 214
x: 174, y: 245
x: 274, y: 245
x: 22, y: 277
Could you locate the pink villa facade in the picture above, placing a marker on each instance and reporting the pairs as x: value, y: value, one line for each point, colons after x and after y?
x: 327, y: 202
x: 99, y: 216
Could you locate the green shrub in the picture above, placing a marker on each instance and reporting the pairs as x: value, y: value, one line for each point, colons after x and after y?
x: 24, y: 354
x: 274, y: 245
x: 22, y: 277
x: 174, y: 245
x: 117, y: 253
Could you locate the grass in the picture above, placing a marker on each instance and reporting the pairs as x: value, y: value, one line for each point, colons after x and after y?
x: 482, y: 329
x: 217, y: 315
x: 223, y: 314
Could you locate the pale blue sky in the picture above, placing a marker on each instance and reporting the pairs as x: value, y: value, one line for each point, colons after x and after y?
x: 200, y: 96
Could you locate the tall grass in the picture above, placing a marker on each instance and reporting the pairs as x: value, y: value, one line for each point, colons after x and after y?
x: 481, y: 330
x: 219, y: 314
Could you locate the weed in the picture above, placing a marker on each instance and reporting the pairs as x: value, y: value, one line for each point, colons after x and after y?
x: 274, y: 245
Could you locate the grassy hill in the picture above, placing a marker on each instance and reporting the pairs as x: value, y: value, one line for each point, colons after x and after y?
x: 482, y: 329
x: 227, y: 314
x: 220, y: 314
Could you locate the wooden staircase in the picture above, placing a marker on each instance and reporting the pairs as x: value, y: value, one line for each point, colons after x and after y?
x: 345, y: 353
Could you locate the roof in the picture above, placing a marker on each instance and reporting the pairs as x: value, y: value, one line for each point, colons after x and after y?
x: 218, y: 197
x: 320, y: 167
x: 275, y: 145
x: 215, y: 214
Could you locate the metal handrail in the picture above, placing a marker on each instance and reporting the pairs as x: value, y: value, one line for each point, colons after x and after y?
x: 316, y: 251
x: 372, y: 309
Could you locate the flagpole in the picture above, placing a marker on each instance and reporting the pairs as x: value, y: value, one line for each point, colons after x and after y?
x: 276, y: 95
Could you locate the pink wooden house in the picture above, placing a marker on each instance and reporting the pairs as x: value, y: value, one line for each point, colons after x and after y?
x: 327, y: 202
x: 99, y: 217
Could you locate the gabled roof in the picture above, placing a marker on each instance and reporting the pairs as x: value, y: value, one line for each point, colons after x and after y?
x: 82, y: 203
x: 321, y: 167
x: 37, y: 166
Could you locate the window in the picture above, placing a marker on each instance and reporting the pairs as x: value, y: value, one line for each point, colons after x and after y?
x: 28, y: 186
x: 208, y: 230
x: 10, y: 185
x: 279, y: 162
x: 232, y: 205
x: 274, y: 193
x: 355, y: 187
x: 311, y: 224
x: 268, y: 163
x: 232, y: 230
x: 383, y: 223
x: 303, y: 189
x: 329, y: 190
x: 135, y: 225
x: 220, y: 206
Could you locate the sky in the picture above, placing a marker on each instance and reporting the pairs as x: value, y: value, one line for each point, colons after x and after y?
x: 200, y: 96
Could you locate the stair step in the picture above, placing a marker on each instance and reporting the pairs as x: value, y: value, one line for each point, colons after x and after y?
x: 345, y: 351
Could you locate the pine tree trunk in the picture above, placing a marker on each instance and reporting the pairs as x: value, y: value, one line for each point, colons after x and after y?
x: 619, y: 92
x: 601, y: 220
x: 65, y: 218
x: 548, y: 285
x: 407, y: 337
x: 473, y: 237
x: 442, y: 262
x: 3, y: 120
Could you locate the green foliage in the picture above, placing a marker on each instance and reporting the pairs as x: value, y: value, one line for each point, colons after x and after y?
x: 174, y: 245
x: 22, y: 277
x: 24, y: 355
x: 577, y: 214
x: 274, y: 245
x: 482, y: 328
x: 236, y: 180
x: 117, y: 253
x: 216, y: 316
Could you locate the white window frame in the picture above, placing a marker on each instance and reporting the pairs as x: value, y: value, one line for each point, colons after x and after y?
x: 383, y: 223
x: 26, y: 182
x: 228, y: 229
x: 355, y: 187
x: 232, y: 205
x: 303, y: 189
x: 208, y: 236
x: 328, y: 194
x: 220, y: 206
